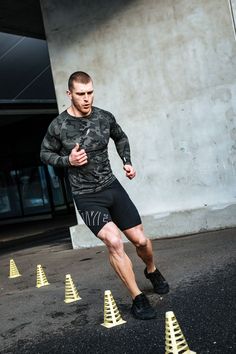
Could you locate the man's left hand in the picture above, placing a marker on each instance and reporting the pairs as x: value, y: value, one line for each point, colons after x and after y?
x: 130, y: 171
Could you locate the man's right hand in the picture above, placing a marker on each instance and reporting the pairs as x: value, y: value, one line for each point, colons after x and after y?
x: 78, y: 157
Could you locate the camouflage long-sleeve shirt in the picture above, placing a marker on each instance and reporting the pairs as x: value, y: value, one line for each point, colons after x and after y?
x: 92, y: 133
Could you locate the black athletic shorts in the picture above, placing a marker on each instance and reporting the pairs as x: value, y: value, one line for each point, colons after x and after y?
x: 111, y: 204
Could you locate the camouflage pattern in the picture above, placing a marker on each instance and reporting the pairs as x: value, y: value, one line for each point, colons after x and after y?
x: 92, y: 133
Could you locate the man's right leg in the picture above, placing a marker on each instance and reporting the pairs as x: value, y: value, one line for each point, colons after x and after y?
x: 119, y: 260
x: 122, y: 265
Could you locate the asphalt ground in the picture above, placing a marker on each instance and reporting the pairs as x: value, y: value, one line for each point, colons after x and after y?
x: 199, y: 268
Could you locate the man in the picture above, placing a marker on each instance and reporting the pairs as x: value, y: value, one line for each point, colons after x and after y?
x: 78, y: 140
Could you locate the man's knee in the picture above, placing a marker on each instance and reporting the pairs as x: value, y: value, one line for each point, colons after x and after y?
x: 142, y: 239
x: 136, y: 236
x: 142, y: 242
x: 111, y: 236
x: 114, y: 243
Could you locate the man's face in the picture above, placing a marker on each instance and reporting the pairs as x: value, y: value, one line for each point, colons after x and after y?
x: 81, y: 96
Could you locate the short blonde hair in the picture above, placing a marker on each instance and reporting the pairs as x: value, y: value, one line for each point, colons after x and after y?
x: 78, y: 76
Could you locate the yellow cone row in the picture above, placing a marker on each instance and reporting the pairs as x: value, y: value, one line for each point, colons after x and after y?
x: 71, y: 293
x: 175, y: 342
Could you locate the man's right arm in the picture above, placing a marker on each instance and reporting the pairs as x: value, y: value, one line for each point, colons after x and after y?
x: 50, y: 152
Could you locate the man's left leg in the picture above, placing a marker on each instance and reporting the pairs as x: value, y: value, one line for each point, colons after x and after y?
x: 145, y: 252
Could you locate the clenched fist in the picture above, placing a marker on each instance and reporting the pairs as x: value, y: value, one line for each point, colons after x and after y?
x: 130, y: 171
x: 78, y: 157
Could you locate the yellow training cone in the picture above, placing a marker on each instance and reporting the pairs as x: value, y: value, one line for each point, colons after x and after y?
x: 71, y: 293
x: 112, y: 316
x: 175, y: 341
x: 41, y: 277
x: 14, y: 273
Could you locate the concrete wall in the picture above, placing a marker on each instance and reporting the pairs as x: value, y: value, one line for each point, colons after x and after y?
x: 167, y: 70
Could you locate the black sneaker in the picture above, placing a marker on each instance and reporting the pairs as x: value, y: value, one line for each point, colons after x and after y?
x: 159, y: 283
x: 142, y: 309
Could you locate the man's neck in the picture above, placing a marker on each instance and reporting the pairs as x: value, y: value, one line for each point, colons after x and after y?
x: 75, y: 113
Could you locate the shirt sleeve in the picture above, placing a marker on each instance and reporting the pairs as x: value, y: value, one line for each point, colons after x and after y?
x: 51, y: 148
x: 121, y: 141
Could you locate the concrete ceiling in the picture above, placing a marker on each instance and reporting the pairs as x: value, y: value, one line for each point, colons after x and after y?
x: 22, y: 17
x: 26, y: 84
x: 25, y: 71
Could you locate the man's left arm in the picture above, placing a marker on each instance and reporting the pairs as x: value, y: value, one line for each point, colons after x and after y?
x: 122, y: 146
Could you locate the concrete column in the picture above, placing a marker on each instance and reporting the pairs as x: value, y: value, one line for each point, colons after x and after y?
x: 167, y: 70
